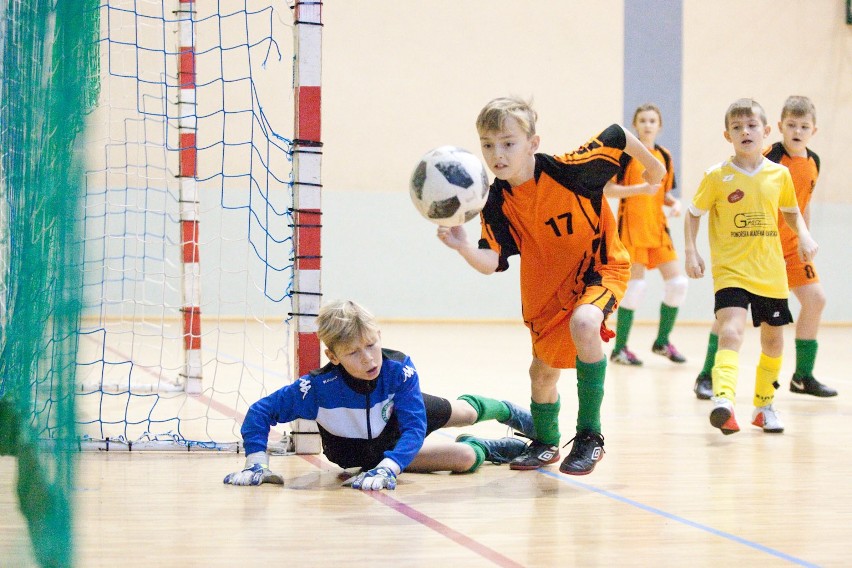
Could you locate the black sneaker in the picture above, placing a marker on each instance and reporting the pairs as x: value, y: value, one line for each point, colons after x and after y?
x: 586, y: 452
x: 703, y: 388
x: 536, y: 455
x: 809, y: 385
x: 669, y: 352
x: 497, y: 451
x: 520, y: 420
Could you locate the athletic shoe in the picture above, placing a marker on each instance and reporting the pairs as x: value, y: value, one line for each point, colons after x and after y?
x: 703, y: 388
x: 585, y: 454
x: 501, y: 450
x: 625, y: 357
x: 809, y: 385
x: 669, y: 352
x: 722, y: 416
x: 520, y: 420
x: 535, y: 455
x: 766, y: 417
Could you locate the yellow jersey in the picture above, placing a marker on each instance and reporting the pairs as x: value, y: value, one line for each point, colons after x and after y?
x: 743, y: 207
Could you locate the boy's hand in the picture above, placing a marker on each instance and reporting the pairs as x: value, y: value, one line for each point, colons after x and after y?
x: 694, y: 264
x: 674, y: 207
x: 453, y: 237
x: 807, y: 248
x: 377, y: 478
x: 650, y: 188
x: 256, y: 472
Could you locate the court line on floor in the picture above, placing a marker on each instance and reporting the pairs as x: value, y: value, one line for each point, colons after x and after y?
x: 678, y: 519
x: 430, y: 523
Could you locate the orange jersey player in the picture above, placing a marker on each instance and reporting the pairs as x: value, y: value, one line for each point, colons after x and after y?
x: 551, y: 211
x: 643, y: 229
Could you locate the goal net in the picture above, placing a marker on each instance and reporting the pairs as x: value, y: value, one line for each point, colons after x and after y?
x: 188, y: 247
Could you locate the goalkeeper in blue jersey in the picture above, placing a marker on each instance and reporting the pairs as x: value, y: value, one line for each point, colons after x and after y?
x: 371, y: 414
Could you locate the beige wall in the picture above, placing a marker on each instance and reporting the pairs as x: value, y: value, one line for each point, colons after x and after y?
x: 402, y: 77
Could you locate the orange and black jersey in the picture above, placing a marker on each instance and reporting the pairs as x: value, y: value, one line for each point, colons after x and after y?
x: 560, y: 224
x: 804, y: 171
x: 641, y: 218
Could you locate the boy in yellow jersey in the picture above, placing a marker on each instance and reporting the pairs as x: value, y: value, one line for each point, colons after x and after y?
x: 743, y: 196
x: 797, y: 126
x: 643, y: 229
x: 551, y: 211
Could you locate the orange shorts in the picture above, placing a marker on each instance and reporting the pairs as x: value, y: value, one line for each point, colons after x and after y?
x: 799, y: 273
x: 552, y: 341
x: 652, y: 257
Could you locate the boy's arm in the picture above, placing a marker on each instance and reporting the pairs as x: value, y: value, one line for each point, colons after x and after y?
x: 612, y: 189
x: 807, y: 245
x: 485, y: 261
x: 261, y: 416
x: 654, y: 168
x: 694, y: 264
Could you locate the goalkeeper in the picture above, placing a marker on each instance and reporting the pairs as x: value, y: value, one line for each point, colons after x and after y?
x: 371, y: 414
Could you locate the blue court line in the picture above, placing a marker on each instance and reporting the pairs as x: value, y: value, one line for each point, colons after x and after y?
x: 677, y: 519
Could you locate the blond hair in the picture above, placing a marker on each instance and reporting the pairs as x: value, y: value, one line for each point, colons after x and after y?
x: 647, y: 107
x: 343, y: 322
x: 798, y: 107
x: 493, y: 116
x: 745, y: 107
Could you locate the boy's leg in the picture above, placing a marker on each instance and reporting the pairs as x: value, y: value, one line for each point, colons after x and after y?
x: 731, y: 324
x: 703, y: 388
x: 441, y: 456
x: 544, y: 407
x: 485, y: 408
x: 624, y: 317
x: 587, y: 448
x: 812, y: 300
x: 675, y: 286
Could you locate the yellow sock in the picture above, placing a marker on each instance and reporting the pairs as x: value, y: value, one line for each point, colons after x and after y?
x: 766, y: 379
x: 725, y: 372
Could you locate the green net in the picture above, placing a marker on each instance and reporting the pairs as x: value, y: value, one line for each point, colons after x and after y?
x: 48, y: 66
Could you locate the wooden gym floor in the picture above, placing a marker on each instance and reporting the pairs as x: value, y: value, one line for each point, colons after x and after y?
x: 671, y: 490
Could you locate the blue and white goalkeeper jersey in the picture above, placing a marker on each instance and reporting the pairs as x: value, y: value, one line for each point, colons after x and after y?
x: 360, y: 422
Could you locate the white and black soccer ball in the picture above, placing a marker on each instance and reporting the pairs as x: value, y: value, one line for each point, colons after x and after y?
x: 449, y: 186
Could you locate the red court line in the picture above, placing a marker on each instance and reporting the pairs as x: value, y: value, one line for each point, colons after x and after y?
x: 430, y: 523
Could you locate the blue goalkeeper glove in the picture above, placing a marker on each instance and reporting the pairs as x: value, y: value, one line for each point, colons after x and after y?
x: 256, y: 471
x: 380, y: 477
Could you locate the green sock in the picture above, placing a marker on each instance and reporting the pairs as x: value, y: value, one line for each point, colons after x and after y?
x: 590, y: 392
x: 668, y: 315
x: 480, y: 452
x: 710, y: 358
x: 806, y: 350
x: 487, y: 408
x: 546, y: 420
x: 623, y: 323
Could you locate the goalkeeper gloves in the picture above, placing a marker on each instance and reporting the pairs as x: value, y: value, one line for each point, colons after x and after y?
x: 256, y: 471
x: 377, y: 478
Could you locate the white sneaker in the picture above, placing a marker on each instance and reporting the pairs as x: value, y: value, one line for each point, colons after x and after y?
x: 766, y: 417
x: 722, y: 416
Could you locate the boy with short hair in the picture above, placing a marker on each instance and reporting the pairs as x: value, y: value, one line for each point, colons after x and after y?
x: 551, y: 211
x: 644, y: 231
x: 371, y: 414
x: 744, y: 195
x: 797, y: 126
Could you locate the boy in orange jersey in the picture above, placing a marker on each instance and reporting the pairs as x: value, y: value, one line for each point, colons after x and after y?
x: 551, y: 211
x: 643, y: 229
x: 797, y: 126
x: 743, y: 196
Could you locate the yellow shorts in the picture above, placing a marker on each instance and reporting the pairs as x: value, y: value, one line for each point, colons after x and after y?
x: 799, y: 273
x: 552, y: 341
x: 652, y: 257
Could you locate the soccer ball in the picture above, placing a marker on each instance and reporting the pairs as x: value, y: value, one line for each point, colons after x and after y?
x: 449, y: 186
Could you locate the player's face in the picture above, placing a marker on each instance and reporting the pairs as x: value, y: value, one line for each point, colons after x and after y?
x: 509, y: 153
x: 647, y: 125
x: 796, y: 132
x: 747, y: 133
x: 362, y: 359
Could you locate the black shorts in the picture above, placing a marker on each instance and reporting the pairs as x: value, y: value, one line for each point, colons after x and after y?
x: 438, y: 412
x: 367, y: 453
x: 771, y: 311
